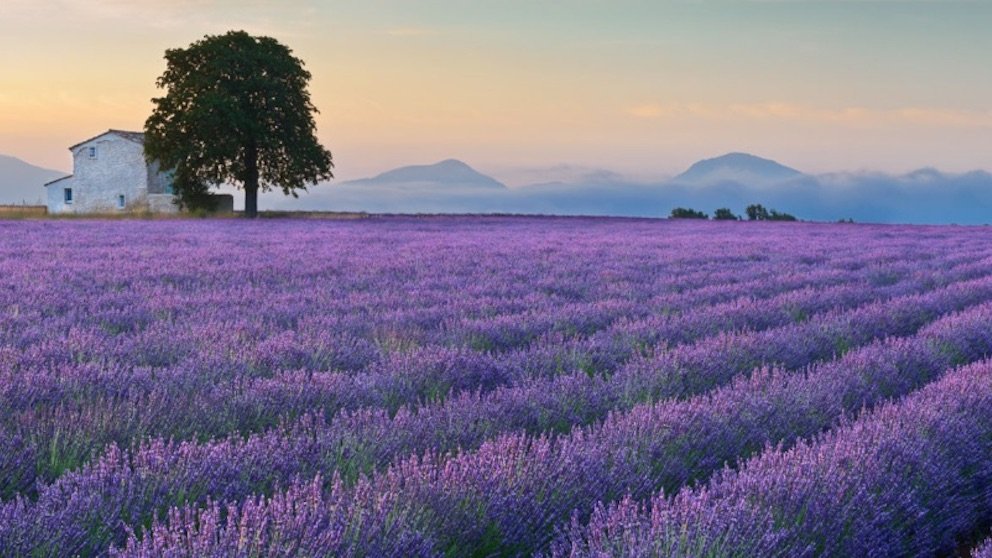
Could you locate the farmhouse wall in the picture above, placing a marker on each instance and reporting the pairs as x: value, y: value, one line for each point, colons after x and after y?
x: 117, y: 167
x: 54, y: 195
x: 106, y: 168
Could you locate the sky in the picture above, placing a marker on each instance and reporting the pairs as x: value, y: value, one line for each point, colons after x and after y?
x: 512, y: 87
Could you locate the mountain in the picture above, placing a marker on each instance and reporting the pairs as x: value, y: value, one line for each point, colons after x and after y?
x: 446, y: 174
x: 924, y: 196
x: 22, y: 182
x: 449, y: 186
x: 737, y: 167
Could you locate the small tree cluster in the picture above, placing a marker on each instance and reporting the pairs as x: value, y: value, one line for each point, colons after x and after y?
x: 776, y: 216
x: 757, y: 212
x: 725, y: 214
x: 686, y: 213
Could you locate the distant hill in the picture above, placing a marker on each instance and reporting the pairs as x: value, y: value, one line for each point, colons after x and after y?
x: 448, y: 173
x: 737, y: 167
x: 22, y: 182
x: 735, y: 180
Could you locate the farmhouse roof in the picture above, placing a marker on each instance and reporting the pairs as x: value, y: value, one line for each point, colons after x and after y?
x: 58, y: 179
x: 137, y: 137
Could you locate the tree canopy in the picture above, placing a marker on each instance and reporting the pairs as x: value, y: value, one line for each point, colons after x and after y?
x: 236, y: 110
x: 724, y: 214
x: 686, y: 213
x: 757, y: 212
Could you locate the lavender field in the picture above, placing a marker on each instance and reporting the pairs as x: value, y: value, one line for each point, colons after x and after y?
x: 494, y: 387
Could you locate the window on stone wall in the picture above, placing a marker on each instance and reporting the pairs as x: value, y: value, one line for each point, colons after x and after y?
x: 92, y: 153
x: 120, y: 201
x: 67, y: 193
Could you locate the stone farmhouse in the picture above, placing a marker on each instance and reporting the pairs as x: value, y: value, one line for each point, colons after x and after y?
x: 110, y: 174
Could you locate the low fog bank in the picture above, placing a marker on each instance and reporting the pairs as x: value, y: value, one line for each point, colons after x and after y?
x: 734, y: 181
x: 922, y: 197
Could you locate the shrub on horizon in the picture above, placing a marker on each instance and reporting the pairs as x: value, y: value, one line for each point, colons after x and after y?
x: 757, y: 212
x: 686, y: 213
x: 725, y: 214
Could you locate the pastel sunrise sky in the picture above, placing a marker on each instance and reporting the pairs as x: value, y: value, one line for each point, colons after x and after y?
x: 642, y: 87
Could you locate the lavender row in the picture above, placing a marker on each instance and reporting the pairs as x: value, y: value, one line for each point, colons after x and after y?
x: 369, y: 438
x: 404, y: 378
x: 62, y: 439
x: 369, y: 334
x: 909, y: 479
x: 797, y: 302
x: 120, y: 331
x: 268, y: 352
x: 226, y: 409
x: 141, y: 344
x: 361, y: 333
x: 874, y: 479
x: 509, y: 495
x: 130, y: 298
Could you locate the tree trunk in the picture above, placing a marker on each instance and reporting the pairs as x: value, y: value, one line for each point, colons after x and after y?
x: 251, y: 181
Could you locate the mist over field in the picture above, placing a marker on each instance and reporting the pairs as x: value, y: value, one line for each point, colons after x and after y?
x: 926, y: 196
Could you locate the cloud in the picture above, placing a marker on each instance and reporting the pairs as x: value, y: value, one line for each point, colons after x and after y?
x: 851, y: 116
x: 650, y: 111
x: 169, y: 14
x: 946, y: 117
x: 410, y: 31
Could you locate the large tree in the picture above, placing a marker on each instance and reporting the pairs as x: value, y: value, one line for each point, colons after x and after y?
x: 236, y: 111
